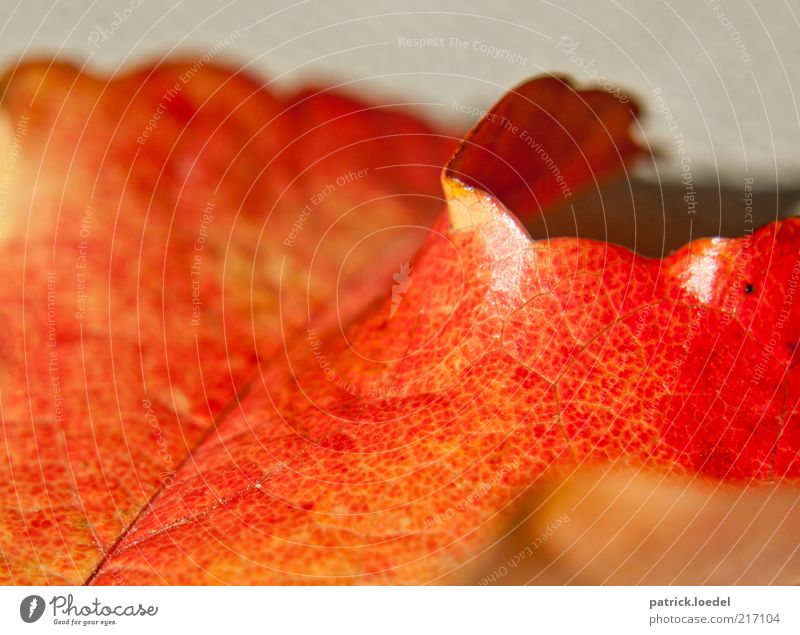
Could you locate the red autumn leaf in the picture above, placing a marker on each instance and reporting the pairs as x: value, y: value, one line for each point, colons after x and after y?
x: 399, y: 448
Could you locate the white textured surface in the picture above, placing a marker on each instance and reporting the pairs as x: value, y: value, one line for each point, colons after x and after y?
x: 728, y: 75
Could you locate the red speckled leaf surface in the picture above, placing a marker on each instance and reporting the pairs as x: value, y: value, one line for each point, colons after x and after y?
x: 401, y: 448
x: 161, y: 233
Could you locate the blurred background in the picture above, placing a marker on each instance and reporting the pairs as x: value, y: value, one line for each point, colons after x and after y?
x: 717, y: 80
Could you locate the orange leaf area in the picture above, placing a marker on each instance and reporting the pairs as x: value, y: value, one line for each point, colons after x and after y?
x: 162, y: 232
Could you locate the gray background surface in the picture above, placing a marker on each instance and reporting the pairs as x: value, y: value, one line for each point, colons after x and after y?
x: 727, y: 71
